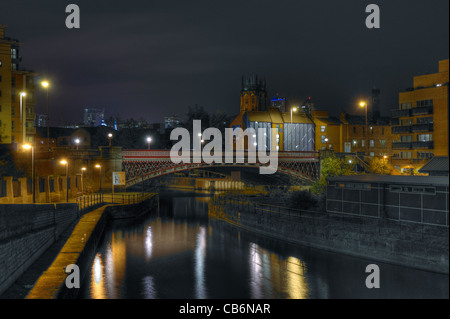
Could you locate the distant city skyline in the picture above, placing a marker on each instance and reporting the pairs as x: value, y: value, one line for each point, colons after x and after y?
x: 154, y: 59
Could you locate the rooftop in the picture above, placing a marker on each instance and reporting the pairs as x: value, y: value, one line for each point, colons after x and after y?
x: 389, y: 179
x: 436, y: 164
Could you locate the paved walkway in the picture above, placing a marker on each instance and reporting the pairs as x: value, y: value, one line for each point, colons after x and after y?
x: 49, y: 283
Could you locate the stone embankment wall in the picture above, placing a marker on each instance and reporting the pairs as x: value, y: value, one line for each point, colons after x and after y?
x: 404, y: 243
x: 26, y: 231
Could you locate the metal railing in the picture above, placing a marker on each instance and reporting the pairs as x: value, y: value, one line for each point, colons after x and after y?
x: 126, y: 198
x: 86, y: 203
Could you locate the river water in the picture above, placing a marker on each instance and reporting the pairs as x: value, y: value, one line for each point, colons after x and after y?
x: 181, y: 253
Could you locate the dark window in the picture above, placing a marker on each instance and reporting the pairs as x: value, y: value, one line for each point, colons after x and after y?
x: 41, y: 185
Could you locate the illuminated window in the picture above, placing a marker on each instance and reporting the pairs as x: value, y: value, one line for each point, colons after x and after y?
x: 425, y: 137
x: 372, y: 143
x: 322, y: 128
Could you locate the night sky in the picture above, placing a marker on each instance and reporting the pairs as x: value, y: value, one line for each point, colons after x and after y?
x: 150, y: 59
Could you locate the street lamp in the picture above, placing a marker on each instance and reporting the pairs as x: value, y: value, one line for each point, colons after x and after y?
x: 46, y: 86
x: 77, y: 141
x: 364, y: 104
x: 22, y: 115
x: 100, y: 167
x: 82, y: 187
x: 27, y: 147
x: 110, y: 138
x: 64, y: 162
x: 294, y: 109
x: 149, y: 139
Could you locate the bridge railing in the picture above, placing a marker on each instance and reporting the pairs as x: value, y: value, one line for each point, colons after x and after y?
x: 144, y: 154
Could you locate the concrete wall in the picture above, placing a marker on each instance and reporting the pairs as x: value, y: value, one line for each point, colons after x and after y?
x: 26, y: 231
x: 409, y: 244
x: 419, y: 203
x: 19, y: 191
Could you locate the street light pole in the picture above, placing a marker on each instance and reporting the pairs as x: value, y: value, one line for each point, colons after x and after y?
x: 100, y: 167
x: 364, y: 104
x: 64, y: 162
x: 45, y: 84
x: 149, y: 139
x: 110, y: 138
x: 82, y: 186
x: 28, y: 146
x: 22, y: 116
x: 294, y: 109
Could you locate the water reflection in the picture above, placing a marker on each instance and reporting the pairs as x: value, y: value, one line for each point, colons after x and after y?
x: 272, y: 275
x: 182, y: 253
x: 200, y: 264
x: 98, y: 290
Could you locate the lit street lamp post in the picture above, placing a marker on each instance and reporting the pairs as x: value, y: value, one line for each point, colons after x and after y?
x: 149, y: 140
x: 27, y: 147
x: 294, y: 109
x: 110, y: 138
x: 64, y: 162
x: 77, y: 141
x: 100, y: 167
x: 23, y: 116
x: 364, y: 104
x: 46, y: 85
x: 82, y: 185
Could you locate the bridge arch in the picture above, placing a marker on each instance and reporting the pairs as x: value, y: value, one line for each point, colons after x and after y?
x: 142, y: 165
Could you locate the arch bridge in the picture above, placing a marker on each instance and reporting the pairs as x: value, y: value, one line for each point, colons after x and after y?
x: 142, y: 165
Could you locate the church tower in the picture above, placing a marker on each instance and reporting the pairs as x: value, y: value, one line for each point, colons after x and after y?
x: 253, y: 94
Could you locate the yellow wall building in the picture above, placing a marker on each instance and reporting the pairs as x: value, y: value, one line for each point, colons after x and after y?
x: 422, y: 120
x: 16, y: 112
x: 5, y: 87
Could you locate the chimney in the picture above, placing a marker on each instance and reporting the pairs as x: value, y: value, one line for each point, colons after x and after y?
x: 375, y: 111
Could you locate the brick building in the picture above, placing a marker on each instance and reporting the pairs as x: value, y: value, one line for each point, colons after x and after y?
x: 422, y: 120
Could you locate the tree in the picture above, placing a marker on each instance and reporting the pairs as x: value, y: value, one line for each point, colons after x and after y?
x: 331, y: 167
x: 380, y: 166
x: 196, y: 113
x: 8, y: 166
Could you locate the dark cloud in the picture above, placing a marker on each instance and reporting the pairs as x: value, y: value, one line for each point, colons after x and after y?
x: 153, y: 58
